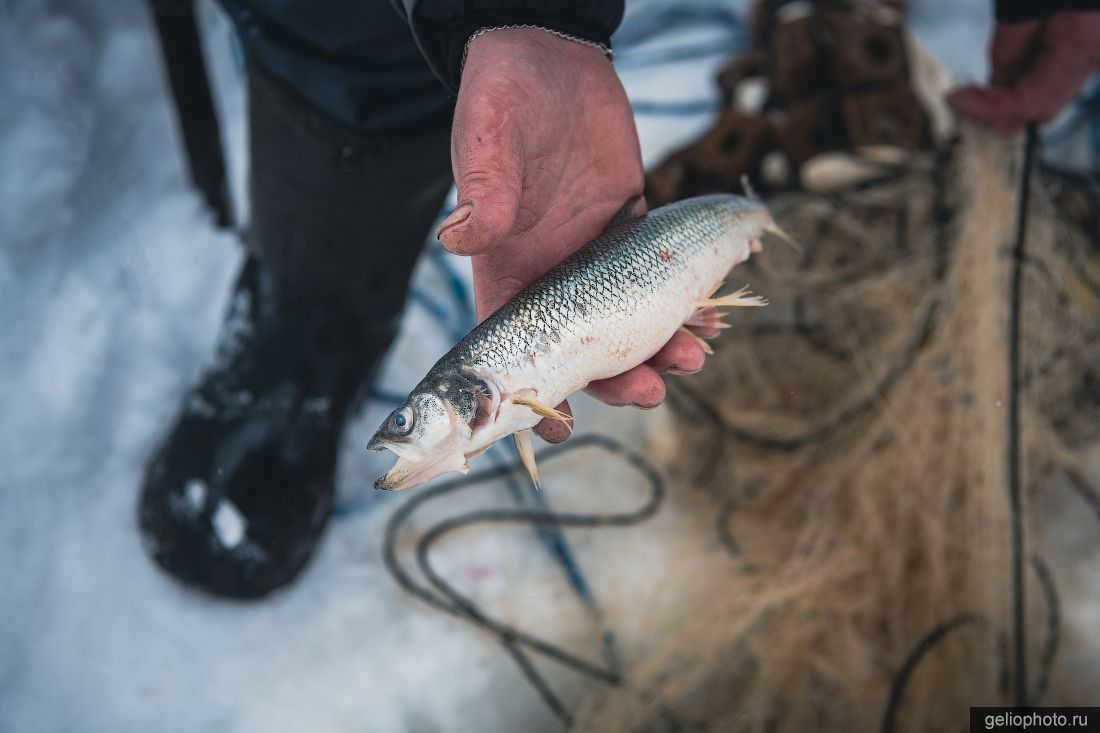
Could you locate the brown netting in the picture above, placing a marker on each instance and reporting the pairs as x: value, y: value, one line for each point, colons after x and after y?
x: 851, y: 439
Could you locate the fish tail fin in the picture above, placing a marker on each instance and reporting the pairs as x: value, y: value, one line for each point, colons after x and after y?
x: 777, y: 231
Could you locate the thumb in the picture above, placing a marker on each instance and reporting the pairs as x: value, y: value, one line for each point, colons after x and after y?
x: 488, y: 168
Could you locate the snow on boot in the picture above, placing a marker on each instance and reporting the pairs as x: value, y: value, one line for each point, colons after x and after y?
x: 237, y: 495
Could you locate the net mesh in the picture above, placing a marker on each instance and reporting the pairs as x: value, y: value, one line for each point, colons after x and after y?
x: 851, y: 441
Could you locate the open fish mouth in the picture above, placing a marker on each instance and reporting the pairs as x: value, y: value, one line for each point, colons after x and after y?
x: 407, y: 473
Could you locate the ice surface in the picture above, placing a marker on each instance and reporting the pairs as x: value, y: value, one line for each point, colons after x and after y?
x: 112, y: 285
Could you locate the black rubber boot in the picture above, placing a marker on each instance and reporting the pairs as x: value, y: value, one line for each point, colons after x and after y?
x: 237, y: 495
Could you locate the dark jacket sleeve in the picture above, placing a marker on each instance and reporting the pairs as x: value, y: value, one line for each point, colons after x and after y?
x: 1017, y: 11
x: 442, y: 27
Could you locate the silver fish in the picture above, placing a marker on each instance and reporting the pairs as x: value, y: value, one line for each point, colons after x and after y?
x: 608, y: 307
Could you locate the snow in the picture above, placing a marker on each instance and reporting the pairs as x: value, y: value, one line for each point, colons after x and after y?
x: 229, y: 524
x: 195, y: 493
x: 112, y: 286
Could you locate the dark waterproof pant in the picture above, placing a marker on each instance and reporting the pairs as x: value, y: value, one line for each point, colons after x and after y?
x: 349, y: 144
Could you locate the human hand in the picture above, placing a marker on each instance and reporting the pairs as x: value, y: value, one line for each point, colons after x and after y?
x: 545, y: 153
x: 1038, y: 67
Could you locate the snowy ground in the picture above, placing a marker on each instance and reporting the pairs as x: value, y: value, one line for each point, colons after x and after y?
x: 112, y: 283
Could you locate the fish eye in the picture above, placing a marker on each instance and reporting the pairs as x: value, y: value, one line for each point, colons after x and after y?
x: 401, y: 421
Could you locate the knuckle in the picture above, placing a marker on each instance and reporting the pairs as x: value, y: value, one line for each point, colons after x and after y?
x: 480, y: 180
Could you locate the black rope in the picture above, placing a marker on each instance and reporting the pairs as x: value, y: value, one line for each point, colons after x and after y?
x: 444, y: 596
x: 1058, y: 355
x: 725, y: 533
x: 1054, y: 622
x: 1088, y: 493
x: 1013, y: 449
x: 934, y: 637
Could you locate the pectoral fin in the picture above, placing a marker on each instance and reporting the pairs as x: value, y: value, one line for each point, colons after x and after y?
x: 527, y: 455
x: 474, y: 454
x: 543, y: 410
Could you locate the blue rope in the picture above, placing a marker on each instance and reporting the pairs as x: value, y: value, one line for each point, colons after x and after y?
x: 465, y: 302
x: 435, y: 308
x: 661, y: 56
x: 676, y: 109
x: 643, y: 26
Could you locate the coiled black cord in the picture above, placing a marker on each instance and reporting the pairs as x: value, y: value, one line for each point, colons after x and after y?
x: 443, y: 595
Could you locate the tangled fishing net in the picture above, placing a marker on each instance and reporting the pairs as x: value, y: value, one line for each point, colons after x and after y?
x: 845, y: 452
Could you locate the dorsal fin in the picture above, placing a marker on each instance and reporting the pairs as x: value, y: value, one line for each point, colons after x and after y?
x: 749, y: 191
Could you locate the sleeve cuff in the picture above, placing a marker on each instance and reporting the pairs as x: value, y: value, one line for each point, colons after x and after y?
x: 1020, y: 11
x: 603, y: 48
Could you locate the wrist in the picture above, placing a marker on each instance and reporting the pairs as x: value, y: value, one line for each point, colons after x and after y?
x: 515, y: 45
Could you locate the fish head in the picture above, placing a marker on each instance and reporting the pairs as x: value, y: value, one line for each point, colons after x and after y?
x: 447, y: 420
